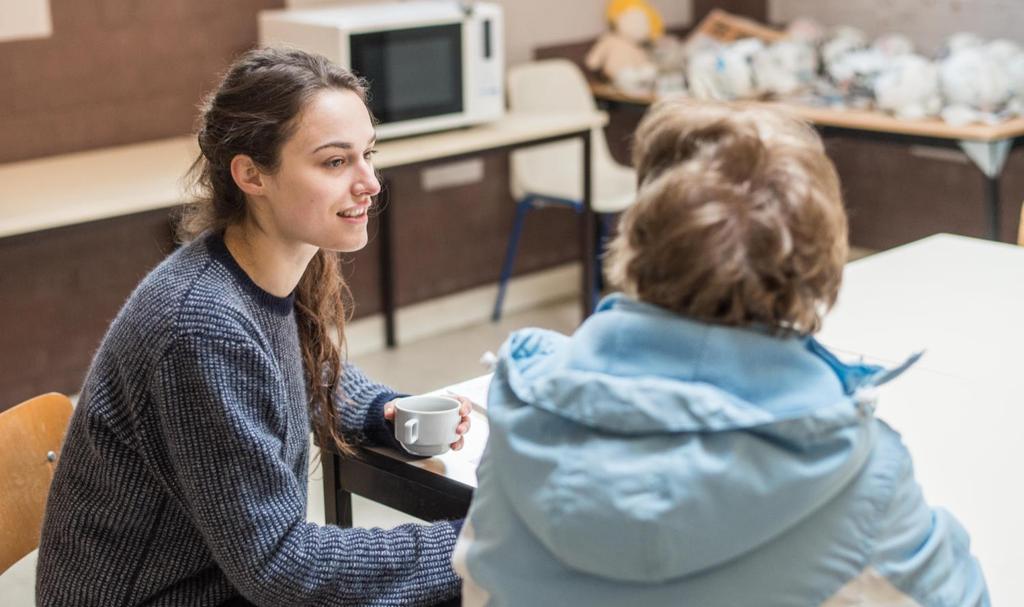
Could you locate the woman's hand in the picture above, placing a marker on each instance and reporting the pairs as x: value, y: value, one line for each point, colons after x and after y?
x: 464, y: 411
x: 463, y: 427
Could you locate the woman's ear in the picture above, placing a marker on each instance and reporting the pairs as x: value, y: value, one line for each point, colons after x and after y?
x: 247, y: 175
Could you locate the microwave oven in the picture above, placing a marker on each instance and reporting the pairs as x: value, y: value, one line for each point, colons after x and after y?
x: 431, y: 64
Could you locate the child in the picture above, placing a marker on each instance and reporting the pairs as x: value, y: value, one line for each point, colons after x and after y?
x: 182, y: 480
x: 691, y: 443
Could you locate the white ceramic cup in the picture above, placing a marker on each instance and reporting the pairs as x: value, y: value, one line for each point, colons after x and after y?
x: 425, y: 425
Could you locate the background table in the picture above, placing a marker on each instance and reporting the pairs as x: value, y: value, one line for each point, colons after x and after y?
x: 512, y: 131
x: 986, y: 145
x: 960, y: 409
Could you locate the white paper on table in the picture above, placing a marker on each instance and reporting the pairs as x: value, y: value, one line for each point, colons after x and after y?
x: 474, y: 389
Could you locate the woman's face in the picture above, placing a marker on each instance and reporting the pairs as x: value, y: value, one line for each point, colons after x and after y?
x: 322, y: 189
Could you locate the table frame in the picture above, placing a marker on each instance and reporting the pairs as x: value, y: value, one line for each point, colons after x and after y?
x: 390, y: 481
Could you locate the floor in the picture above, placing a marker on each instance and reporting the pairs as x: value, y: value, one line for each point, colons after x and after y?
x: 420, y: 366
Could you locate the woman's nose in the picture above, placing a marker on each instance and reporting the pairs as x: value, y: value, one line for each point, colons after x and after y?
x: 368, y: 184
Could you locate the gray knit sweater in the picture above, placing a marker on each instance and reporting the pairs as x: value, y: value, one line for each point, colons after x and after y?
x: 182, y: 480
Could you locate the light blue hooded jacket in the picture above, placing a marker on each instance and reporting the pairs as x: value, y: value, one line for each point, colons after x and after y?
x: 654, y: 460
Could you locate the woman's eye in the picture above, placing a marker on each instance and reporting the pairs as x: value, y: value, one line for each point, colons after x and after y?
x: 335, y: 162
x: 370, y: 154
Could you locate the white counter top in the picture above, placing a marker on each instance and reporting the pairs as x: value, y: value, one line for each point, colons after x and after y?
x: 87, y: 186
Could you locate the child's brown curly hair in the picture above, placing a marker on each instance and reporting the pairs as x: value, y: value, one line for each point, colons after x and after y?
x: 738, y: 220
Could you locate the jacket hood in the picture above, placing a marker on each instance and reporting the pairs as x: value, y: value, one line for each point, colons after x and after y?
x: 646, y: 427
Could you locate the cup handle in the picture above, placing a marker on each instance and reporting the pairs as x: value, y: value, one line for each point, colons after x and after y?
x: 410, y: 431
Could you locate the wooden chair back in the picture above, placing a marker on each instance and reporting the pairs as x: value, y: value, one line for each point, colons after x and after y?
x: 1020, y: 226
x: 31, y: 435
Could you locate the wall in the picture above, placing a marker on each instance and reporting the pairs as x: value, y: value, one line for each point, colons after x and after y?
x: 927, y: 22
x: 533, y: 23
x: 121, y: 71
x: 116, y: 72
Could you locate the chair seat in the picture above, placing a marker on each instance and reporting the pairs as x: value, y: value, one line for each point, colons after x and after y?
x: 554, y: 170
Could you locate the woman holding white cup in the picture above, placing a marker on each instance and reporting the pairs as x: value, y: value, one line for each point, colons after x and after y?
x: 183, y: 475
x: 428, y: 425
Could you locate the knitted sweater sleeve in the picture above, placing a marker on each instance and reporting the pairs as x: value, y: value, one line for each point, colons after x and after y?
x: 221, y: 455
x: 361, y: 403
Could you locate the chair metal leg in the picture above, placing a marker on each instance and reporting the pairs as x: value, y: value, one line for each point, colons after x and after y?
x: 602, y: 240
x: 522, y: 208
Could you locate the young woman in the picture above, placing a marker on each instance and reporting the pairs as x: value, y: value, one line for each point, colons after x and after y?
x: 183, y: 476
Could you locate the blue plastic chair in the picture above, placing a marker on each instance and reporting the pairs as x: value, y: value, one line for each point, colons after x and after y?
x: 550, y: 175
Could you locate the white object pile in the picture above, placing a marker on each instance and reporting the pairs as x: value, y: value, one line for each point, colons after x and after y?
x: 971, y: 80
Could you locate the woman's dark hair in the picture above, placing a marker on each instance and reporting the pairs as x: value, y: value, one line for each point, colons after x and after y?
x: 253, y: 112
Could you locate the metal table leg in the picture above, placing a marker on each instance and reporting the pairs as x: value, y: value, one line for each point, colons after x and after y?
x: 337, y: 501
x: 993, y: 206
x: 387, y: 278
x: 989, y: 157
x: 588, y: 236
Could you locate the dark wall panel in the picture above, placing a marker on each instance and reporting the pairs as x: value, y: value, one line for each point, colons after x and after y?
x: 897, y: 193
x: 454, y: 238
x: 116, y: 72
x: 60, y: 288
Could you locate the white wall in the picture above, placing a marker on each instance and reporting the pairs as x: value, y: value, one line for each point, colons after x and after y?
x: 20, y: 19
x: 533, y: 23
x: 927, y: 22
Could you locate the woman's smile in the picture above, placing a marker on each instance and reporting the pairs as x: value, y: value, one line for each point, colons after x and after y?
x: 357, y: 214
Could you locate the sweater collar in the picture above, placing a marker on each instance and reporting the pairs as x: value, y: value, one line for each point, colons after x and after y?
x: 280, y: 306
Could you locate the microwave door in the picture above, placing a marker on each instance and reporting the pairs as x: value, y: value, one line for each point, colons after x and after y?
x: 413, y: 73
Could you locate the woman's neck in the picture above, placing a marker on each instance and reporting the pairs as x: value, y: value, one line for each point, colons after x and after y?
x: 276, y: 266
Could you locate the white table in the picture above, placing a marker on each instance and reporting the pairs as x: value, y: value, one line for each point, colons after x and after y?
x: 961, y: 408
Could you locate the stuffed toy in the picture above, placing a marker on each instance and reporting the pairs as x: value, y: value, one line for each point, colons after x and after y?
x: 960, y: 41
x: 975, y: 83
x: 621, y: 54
x: 785, y: 68
x: 843, y: 40
x: 893, y: 45
x: 806, y: 30
x: 724, y: 72
x: 852, y: 65
x: 908, y: 87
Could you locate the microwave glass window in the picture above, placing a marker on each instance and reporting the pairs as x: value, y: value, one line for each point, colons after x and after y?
x: 413, y: 73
